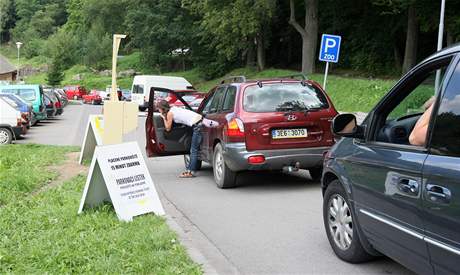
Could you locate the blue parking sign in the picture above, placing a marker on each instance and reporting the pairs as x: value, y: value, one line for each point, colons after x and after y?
x: 330, y: 48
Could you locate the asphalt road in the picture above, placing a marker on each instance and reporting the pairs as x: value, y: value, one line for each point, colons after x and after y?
x: 270, y: 224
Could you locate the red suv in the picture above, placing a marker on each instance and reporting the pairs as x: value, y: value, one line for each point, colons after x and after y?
x: 272, y: 124
x: 75, y: 92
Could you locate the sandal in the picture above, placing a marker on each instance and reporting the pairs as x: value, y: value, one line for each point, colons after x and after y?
x: 185, y: 175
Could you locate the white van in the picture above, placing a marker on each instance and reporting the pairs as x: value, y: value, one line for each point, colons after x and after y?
x: 11, y: 121
x: 142, y: 84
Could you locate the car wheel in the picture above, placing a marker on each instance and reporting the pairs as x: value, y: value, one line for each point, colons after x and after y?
x: 187, y: 162
x: 341, y: 226
x: 5, y: 136
x: 316, y: 173
x: 223, y: 176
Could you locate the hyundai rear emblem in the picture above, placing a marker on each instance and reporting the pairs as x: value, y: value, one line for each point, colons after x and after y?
x: 292, y: 117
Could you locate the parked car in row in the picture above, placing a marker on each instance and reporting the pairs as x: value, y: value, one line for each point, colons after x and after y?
x: 384, y: 191
x: 142, y: 84
x: 55, y: 100
x: 12, y: 121
x: 75, y: 92
x: 93, y: 98
x: 62, y: 96
x: 32, y: 94
x: 24, y: 107
x: 266, y: 124
x: 193, y: 99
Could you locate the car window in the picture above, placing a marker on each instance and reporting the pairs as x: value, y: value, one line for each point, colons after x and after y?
x: 229, y: 101
x: 414, y: 102
x: 10, y: 102
x: 398, y: 117
x: 138, y: 89
x: 445, y: 139
x: 217, y: 99
x: 208, y: 102
x: 10, y: 91
x: 27, y: 94
x: 281, y: 97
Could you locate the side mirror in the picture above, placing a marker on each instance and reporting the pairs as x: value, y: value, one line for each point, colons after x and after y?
x: 345, y: 125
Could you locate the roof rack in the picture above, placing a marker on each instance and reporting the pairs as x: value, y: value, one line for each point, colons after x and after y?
x: 234, y: 79
x: 304, y: 77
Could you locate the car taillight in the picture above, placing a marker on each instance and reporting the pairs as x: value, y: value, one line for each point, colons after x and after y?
x: 259, y: 159
x: 235, y: 128
x: 57, y: 104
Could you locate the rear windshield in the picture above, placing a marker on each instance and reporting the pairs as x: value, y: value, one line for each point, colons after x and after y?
x: 10, y: 102
x: 281, y: 97
x: 138, y: 89
x: 27, y: 94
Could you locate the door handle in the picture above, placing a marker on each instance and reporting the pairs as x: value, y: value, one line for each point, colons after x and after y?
x: 410, y: 186
x: 438, y: 193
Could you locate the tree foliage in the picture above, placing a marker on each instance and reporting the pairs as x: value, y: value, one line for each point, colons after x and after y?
x: 218, y: 35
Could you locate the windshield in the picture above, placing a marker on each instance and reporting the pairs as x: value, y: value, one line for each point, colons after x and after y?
x: 283, y: 97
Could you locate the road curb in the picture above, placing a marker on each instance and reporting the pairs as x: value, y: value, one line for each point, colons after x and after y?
x: 196, y: 242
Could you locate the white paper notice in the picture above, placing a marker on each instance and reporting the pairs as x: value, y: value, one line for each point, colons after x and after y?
x: 119, y: 174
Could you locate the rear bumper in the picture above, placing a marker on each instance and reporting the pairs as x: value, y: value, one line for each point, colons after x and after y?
x: 40, y: 116
x: 17, y: 131
x: 236, y: 157
x: 50, y: 113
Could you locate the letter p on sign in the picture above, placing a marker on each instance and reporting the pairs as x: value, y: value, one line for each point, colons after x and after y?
x: 330, y: 48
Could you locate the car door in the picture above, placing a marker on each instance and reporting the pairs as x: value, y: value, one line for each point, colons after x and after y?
x: 160, y: 142
x: 441, y: 182
x: 387, y: 171
x: 211, y: 111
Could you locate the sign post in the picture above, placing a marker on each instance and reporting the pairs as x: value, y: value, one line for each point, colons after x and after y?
x: 118, y: 172
x: 330, y: 50
x: 119, y: 117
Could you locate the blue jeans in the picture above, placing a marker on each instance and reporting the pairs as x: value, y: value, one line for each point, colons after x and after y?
x: 197, y: 138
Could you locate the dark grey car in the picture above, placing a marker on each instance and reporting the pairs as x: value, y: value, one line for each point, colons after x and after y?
x: 384, y: 195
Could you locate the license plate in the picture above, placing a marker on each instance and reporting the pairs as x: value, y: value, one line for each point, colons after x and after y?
x: 289, y: 133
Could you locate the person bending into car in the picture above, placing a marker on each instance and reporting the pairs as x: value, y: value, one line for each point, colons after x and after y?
x: 418, y: 135
x: 191, y: 119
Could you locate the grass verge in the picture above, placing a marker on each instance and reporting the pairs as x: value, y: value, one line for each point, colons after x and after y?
x: 23, y: 168
x: 44, y: 234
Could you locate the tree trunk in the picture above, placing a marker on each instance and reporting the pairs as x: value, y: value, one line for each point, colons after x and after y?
x: 311, y: 28
x: 250, y: 54
x: 410, y: 54
x: 309, y: 34
x: 449, y: 38
x: 397, y: 55
x: 260, y: 51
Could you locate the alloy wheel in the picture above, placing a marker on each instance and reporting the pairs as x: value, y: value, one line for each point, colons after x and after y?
x: 219, y: 165
x: 340, y: 221
x: 4, y: 136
